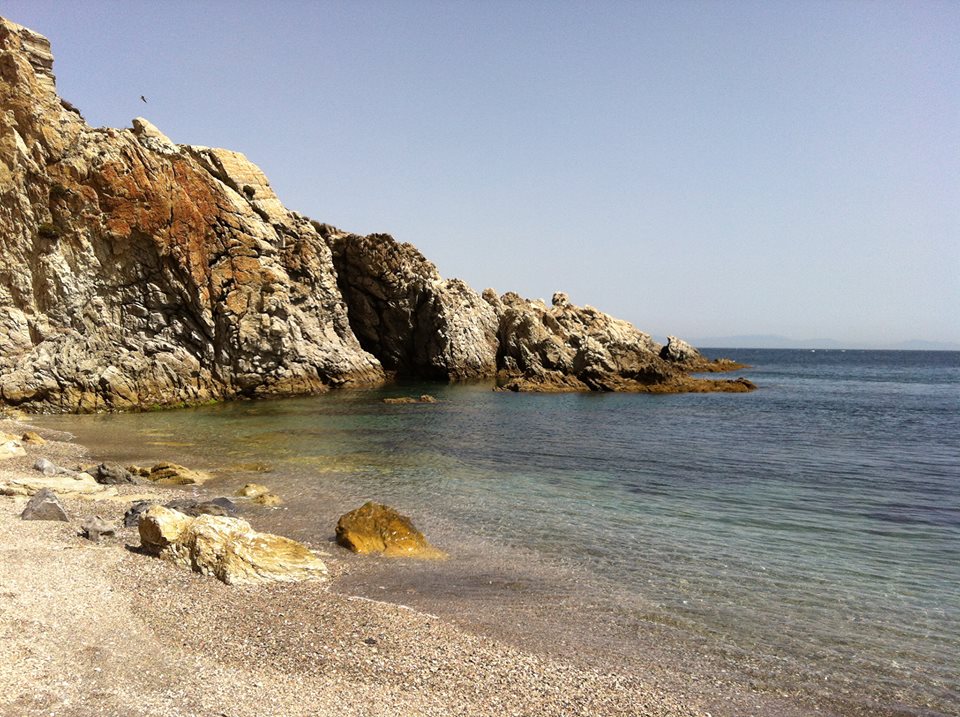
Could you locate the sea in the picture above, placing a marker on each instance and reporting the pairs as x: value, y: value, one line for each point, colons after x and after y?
x: 802, y: 540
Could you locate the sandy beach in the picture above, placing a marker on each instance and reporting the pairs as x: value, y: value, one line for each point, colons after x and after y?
x: 99, y: 629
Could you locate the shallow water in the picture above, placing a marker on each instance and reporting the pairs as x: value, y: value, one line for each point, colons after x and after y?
x: 808, y: 533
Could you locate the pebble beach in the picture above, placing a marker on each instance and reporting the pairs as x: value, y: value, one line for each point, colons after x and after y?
x: 100, y: 629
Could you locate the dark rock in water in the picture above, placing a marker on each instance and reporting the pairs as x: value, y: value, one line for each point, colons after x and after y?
x: 112, y: 474
x: 45, y: 506
x: 93, y: 528
x: 226, y: 504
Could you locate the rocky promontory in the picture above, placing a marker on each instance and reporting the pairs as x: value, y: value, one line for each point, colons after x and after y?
x: 136, y: 272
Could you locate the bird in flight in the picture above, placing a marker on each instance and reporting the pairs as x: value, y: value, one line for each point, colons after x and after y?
x: 143, y: 98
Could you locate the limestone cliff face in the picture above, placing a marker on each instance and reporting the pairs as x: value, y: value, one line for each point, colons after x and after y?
x: 136, y: 271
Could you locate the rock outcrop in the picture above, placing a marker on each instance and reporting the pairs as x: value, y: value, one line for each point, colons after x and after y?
x: 682, y: 354
x: 565, y: 347
x: 227, y: 548
x: 377, y: 528
x: 136, y: 272
x: 403, y: 312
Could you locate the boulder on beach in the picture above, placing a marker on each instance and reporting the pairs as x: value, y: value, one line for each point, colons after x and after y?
x: 377, y: 528
x: 226, y: 548
x: 92, y: 528
x: 33, y: 438
x: 45, y: 506
x: 111, y: 474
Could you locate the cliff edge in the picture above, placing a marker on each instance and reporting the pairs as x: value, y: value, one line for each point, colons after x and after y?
x: 136, y: 272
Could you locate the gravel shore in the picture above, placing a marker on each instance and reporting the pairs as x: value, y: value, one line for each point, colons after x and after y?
x: 100, y: 629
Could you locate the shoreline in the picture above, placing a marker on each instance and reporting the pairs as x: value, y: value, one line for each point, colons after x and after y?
x: 96, y: 628
x: 307, y: 645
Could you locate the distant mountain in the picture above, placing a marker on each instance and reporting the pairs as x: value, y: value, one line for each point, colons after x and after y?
x: 770, y: 341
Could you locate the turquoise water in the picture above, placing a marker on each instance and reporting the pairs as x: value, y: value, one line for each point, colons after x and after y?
x: 808, y: 533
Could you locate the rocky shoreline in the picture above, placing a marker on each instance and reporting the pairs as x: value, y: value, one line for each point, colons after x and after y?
x: 103, y: 628
x: 138, y: 273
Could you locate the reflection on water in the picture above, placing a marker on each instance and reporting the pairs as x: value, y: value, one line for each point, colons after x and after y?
x: 810, y: 530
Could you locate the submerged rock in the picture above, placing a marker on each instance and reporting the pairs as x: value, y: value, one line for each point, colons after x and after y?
x: 259, y: 494
x: 377, y: 528
x: 425, y: 398
x: 45, y: 506
x: 167, y: 473
x: 227, y: 548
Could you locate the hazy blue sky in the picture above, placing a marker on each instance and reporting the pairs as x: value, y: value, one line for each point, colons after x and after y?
x: 699, y: 168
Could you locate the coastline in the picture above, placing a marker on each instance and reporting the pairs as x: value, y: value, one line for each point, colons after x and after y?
x: 96, y: 628
x: 178, y: 643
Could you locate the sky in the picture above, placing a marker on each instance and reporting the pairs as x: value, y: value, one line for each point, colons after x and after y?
x: 700, y: 169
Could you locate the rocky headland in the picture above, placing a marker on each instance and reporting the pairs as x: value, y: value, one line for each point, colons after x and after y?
x: 136, y: 272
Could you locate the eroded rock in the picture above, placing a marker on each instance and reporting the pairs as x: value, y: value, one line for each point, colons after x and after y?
x: 377, y: 528
x: 226, y: 548
x: 403, y: 312
x: 141, y: 273
x: 679, y: 352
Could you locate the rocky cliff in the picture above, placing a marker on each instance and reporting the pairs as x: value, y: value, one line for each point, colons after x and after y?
x: 137, y: 272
